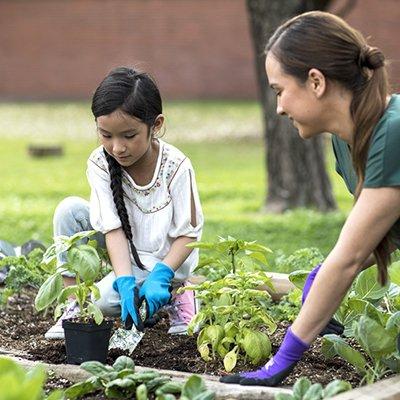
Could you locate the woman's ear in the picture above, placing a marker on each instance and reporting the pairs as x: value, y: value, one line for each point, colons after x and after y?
x: 317, y: 82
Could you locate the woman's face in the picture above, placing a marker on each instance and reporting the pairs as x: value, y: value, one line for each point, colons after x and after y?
x: 299, y: 101
x: 124, y: 137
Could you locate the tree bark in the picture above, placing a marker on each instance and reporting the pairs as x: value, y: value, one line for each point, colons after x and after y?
x: 295, y: 167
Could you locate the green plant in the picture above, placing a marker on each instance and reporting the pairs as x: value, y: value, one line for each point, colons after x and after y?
x: 231, y: 317
x: 376, y: 333
x: 16, y: 383
x: 233, y: 307
x: 302, y: 259
x: 287, y: 308
x: 25, y: 271
x: 229, y: 254
x: 84, y: 261
x: 121, y: 381
x: 303, y: 389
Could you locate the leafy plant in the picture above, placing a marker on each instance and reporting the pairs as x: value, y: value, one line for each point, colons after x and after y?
x: 16, y: 383
x: 229, y: 254
x: 232, y: 314
x: 287, y: 308
x: 24, y: 271
x: 84, y: 261
x: 376, y: 334
x: 121, y: 381
x: 302, y: 259
x: 303, y: 389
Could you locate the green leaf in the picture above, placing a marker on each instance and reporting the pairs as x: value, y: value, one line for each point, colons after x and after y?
x: 374, y: 338
x: 56, y: 395
x: 256, y: 345
x: 80, y: 389
x: 300, y: 387
x: 85, y: 261
x: 95, y: 311
x: 124, y: 362
x: 193, y: 387
x: 393, y: 321
x: 394, y: 272
x: 314, y: 392
x: 206, y: 395
x: 230, y: 359
x: 95, y: 291
x: 335, y: 387
x: 141, y: 392
x: 298, y: 278
x: 96, y: 368
x: 341, y: 348
x: 66, y: 293
x: 204, y: 351
x: 367, y: 286
x: 170, y: 387
x: 215, y: 333
x: 49, y: 291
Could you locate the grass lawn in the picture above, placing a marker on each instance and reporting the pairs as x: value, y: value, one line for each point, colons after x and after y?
x: 230, y: 175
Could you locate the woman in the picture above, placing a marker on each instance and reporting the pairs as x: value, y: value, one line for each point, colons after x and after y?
x: 328, y: 79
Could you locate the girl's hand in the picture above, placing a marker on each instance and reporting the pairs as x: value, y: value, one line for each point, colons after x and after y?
x: 126, y: 287
x: 156, y: 289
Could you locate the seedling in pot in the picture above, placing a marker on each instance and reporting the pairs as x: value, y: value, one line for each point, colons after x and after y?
x: 84, y: 262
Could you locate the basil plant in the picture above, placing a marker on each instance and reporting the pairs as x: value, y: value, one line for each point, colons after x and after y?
x: 84, y: 262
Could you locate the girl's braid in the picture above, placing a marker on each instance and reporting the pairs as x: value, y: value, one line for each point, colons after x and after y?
x: 118, y: 196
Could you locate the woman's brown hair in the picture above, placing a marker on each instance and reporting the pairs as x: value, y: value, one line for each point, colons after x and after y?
x: 326, y: 42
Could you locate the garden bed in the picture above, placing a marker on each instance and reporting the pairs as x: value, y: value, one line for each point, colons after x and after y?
x: 22, y: 332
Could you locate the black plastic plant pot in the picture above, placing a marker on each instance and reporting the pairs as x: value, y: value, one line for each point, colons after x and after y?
x: 86, y: 341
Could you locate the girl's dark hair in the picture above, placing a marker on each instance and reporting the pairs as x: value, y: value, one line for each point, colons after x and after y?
x: 326, y: 42
x: 136, y: 94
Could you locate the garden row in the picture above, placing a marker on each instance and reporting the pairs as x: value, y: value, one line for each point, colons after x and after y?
x: 239, y: 324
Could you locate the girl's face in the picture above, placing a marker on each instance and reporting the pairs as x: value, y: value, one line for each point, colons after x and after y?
x: 301, y: 102
x: 124, y: 137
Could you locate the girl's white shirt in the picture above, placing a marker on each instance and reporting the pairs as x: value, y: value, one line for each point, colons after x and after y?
x: 158, y: 212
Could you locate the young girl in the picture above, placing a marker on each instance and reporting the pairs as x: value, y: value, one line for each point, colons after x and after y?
x: 144, y: 204
x: 328, y: 79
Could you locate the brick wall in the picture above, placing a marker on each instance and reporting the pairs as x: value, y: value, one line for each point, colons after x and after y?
x: 61, y: 49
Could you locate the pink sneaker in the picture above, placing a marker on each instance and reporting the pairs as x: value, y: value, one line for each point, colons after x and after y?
x: 181, y: 311
x: 57, y: 331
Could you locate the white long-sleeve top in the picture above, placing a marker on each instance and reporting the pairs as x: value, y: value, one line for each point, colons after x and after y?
x: 158, y: 213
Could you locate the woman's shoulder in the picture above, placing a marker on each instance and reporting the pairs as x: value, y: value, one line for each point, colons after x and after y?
x: 383, y: 163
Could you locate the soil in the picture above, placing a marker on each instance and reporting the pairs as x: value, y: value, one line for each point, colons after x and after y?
x: 22, y: 330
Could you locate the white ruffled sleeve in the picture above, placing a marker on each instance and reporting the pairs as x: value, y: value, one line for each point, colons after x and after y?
x: 103, y: 213
x: 182, y: 188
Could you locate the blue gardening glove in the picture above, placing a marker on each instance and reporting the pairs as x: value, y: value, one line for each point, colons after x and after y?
x: 333, y: 326
x: 277, y: 368
x: 156, y: 289
x: 129, y: 294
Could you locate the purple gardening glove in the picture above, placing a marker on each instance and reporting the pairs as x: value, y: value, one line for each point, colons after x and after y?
x: 333, y: 325
x: 277, y: 368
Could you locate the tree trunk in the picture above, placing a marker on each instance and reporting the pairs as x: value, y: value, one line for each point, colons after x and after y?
x: 295, y: 167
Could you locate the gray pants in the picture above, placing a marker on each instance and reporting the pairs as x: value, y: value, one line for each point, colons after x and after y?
x: 72, y: 216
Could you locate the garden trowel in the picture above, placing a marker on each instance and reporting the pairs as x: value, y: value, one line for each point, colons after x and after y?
x: 128, y: 338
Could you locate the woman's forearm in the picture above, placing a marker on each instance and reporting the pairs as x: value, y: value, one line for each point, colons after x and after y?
x: 118, y: 251
x: 178, y: 252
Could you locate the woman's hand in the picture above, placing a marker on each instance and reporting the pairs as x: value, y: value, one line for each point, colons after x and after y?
x: 277, y: 368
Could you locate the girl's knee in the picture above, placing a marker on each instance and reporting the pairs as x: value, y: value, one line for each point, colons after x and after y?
x: 71, y: 214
